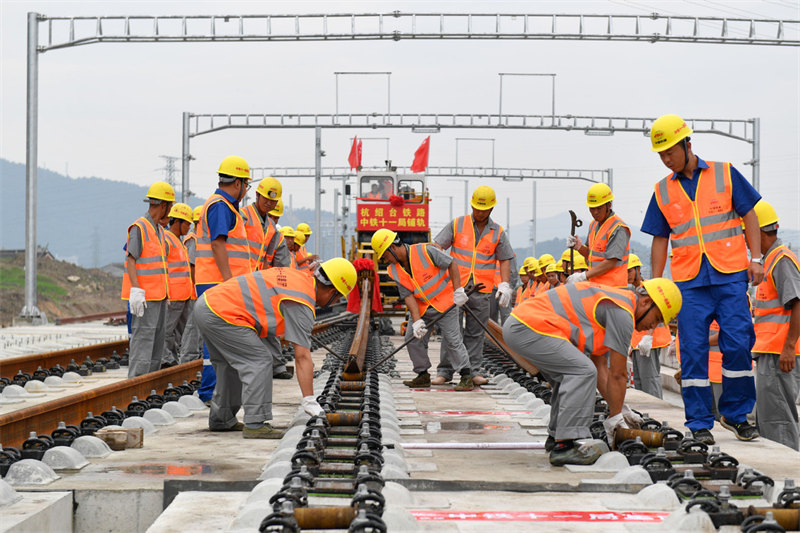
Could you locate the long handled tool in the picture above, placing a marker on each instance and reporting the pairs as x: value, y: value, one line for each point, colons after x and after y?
x: 430, y: 324
x: 575, y: 223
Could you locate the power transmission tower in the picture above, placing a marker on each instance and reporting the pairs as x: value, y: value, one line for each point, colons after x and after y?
x: 169, y: 168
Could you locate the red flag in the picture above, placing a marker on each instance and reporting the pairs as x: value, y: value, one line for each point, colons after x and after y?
x: 421, y: 156
x: 359, y: 153
x: 355, y: 155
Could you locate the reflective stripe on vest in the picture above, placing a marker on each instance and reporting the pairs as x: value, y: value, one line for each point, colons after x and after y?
x: 598, y: 241
x: 475, y: 260
x: 569, y: 312
x: 708, y: 225
x: 236, y: 244
x: 151, y: 266
x: 179, y: 274
x: 430, y: 284
x: 253, y: 300
x: 254, y: 229
x: 771, y: 319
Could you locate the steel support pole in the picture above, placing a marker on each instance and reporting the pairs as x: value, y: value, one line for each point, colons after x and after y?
x: 30, y: 311
x: 451, y: 207
x: 185, y: 159
x: 466, y: 197
x: 508, y: 214
x: 756, y: 153
x: 611, y: 178
x: 533, y: 222
x: 317, y: 189
x: 335, y: 222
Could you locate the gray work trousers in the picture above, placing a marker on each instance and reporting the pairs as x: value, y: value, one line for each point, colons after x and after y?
x: 572, y: 374
x: 451, y: 338
x: 473, y: 336
x: 243, y: 367
x: 273, y: 345
x: 191, y: 343
x: 647, y: 372
x: 177, y: 317
x: 147, y: 339
x: 776, y: 408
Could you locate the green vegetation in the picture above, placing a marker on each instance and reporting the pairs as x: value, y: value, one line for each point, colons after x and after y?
x: 13, y: 277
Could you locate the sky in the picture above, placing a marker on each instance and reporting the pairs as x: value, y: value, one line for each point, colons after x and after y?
x: 110, y: 110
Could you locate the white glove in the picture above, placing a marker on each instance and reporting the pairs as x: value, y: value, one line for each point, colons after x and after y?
x: 310, y: 406
x: 611, y: 424
x: 503, y: 294
x: 573, y: 241
x: 644, y: 345
x: 137, y: 302
x: 632, y: 419
x: 576, y: 277
x: 419, y: 328
x: 460, y: 296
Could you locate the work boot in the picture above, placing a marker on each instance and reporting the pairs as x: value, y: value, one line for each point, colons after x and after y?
x: 568, y: 453
x: 238, y: 426
x: 549, y: 443
x: 423, y: 379
x: 466, y: 384
x: 283, y: 375
x: 479, y: 380
x: 264, y: 432
x: 742, y: 430
x: 440, y: 380
x: 704, y: 436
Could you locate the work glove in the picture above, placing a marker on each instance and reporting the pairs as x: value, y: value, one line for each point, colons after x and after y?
x: 310, y: 406
x: 137, y: 302
x: 576, y: 277
x: 611, y: 424
x: 573, y: 241
x: 460, y: 296
x: 313, y: 266
x: 645, y: 345
x: 503, y: 294
x: 419, y: 328
x: 631, y: 418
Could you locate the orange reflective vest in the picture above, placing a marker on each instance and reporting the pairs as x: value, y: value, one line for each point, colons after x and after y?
x: 771, y: 319
x: 151, y: 266
x: 714, y: 355
x: 518, y: 298
x: 254, y: 228
x: 568, y: 312
x: 179, y: 273
x: 430, y: 284
x: 475, y: 260
x: 301, y: 255
x: 498, y: 278
x: 598, y: 240
x: 661, y: 337
x: 253, y: 300
x: 237, y: 245
x: 706, y: 225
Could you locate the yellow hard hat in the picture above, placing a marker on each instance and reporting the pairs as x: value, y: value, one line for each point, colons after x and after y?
x: 341, y: 273
x: 666, y: 295
x: 554, y: 267
x: 534, y: 266
x: 197, y: 213
x: 181, y: 211
x: 522, y: 271
x: 483, y: 198
x: 299, y: 237
x: 634, y: 261
x: 530, y: 262
x: 546, y: 260
x: 234, y: 167
x: 304, y: 228
x: 565, y: 255
x: 277, y: 211
x: 381, y: 241
x: 287, y: 231
x: 161, y: 190
x: 270, y: 188
x: 599, y: 194
x: 767, y: 216
x: 580, y: 263
x: 667, y: 131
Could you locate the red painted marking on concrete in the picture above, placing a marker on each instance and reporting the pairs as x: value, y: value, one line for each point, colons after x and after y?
x: 538, y: 516
x: 476, y: 389
x: 467, y: 412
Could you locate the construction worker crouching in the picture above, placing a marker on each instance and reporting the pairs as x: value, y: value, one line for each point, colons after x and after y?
x: 429, y: 283
x: 557, y: 330
x: 477, y: 244
x: 145, y: 283
x: 777, y: 326
x: 608, y: 242
x: 698, y: 209
x: 191, y: 344
x: 179, y: 282
x: 235, y: 315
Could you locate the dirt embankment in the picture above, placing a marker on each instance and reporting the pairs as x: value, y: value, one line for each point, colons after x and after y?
x: 64, y: 289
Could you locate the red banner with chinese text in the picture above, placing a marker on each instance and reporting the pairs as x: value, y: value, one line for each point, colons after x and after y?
x: 374, y: 216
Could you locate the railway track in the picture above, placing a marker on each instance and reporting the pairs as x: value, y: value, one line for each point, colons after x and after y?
x: 28, y: 364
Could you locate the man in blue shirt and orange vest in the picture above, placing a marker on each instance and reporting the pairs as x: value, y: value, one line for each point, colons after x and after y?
x: 179, y: 282
x: 429, y: 284
x: 145, y: 283
x: 699, y: 209
x: 223, y: 250
x: 477, y: 244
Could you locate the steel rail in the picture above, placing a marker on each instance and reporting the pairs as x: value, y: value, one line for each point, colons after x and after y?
x: 88, y: 318
x: 30, y: 363
x: 358, y: 349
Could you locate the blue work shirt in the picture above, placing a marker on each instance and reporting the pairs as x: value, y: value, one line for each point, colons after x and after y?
x: 744, y: 198
x: 221, y: 219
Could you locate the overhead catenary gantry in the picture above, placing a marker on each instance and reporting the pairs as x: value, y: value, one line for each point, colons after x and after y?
x: 65, y: 32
